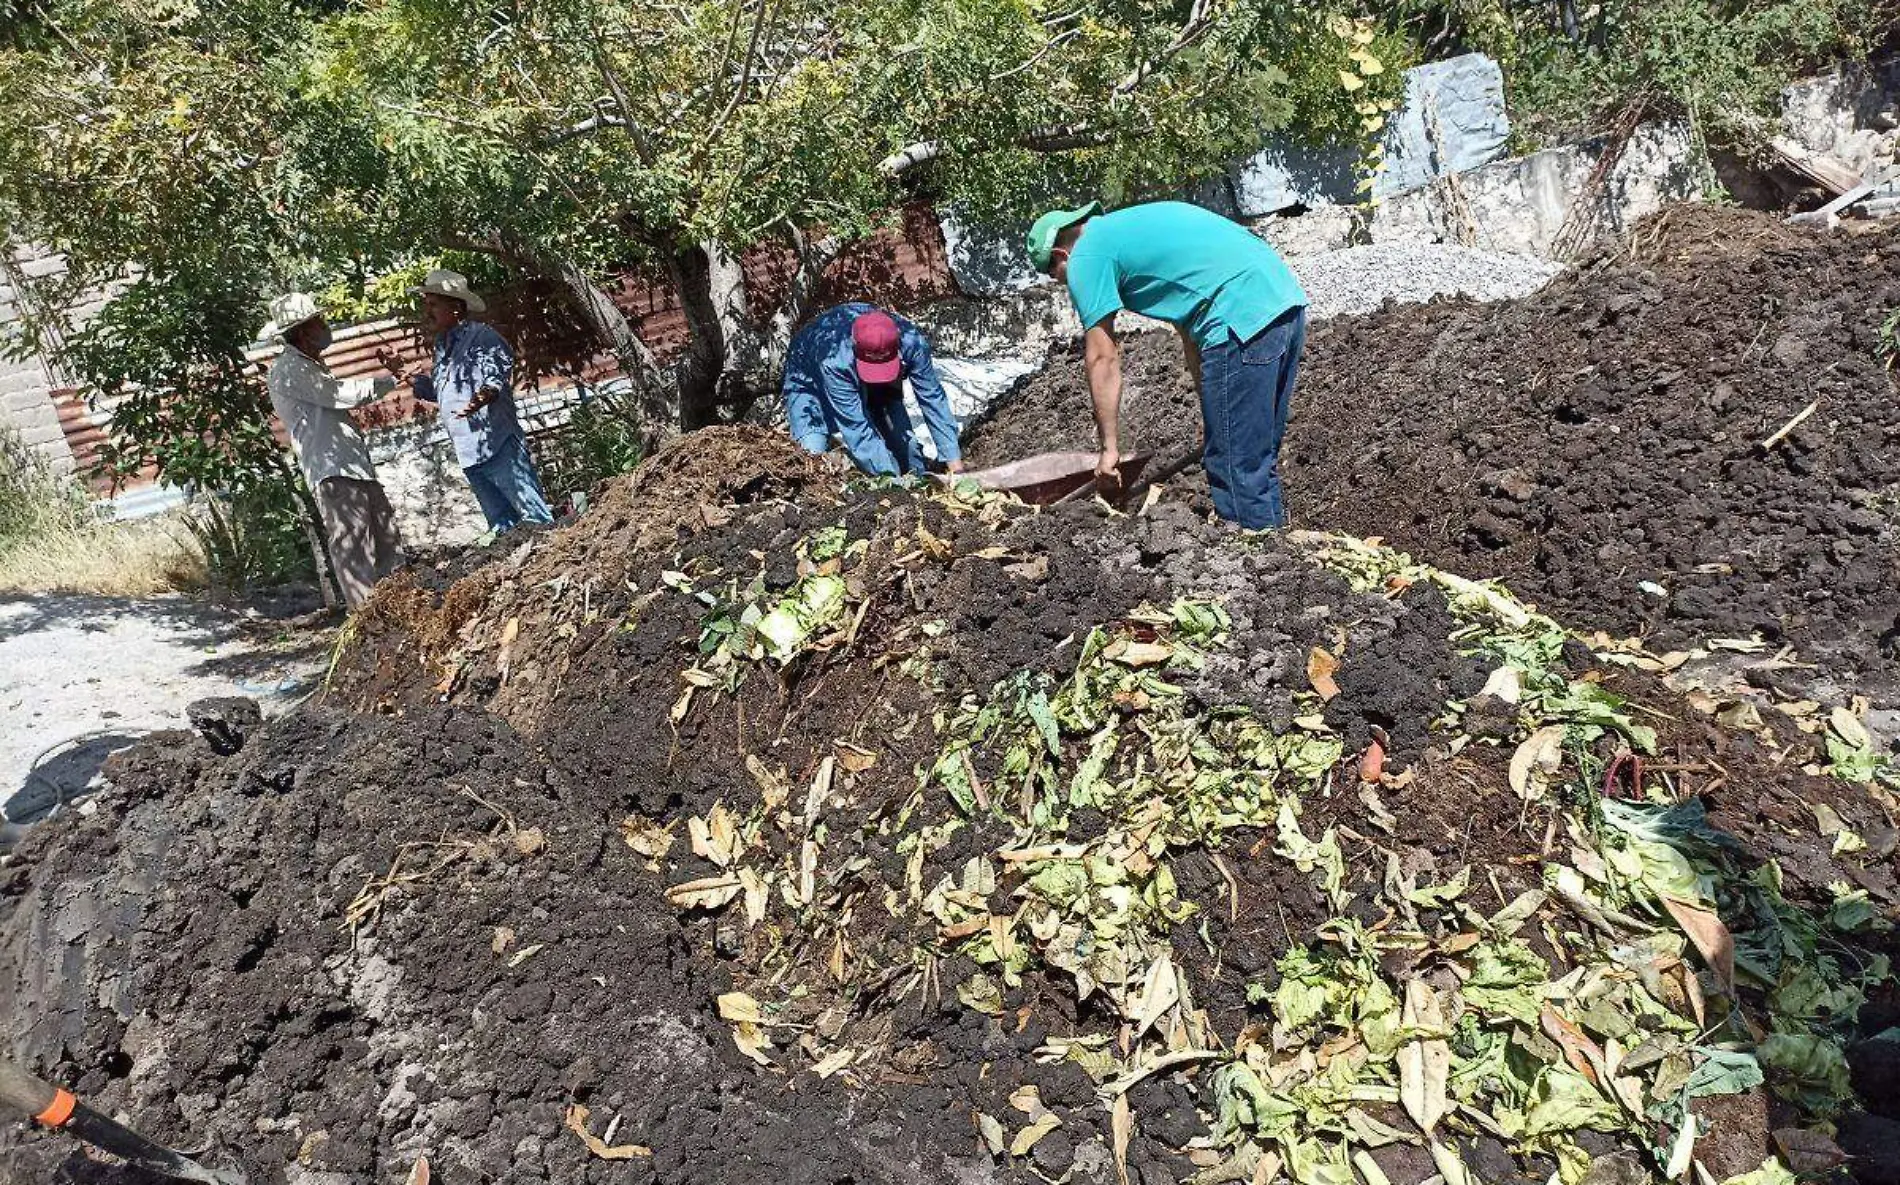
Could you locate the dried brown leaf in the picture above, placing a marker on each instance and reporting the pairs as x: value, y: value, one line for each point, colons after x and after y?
x: 1141, y: 654
x: 525, y: 953
x: 1026, y: 1138
x: 1709, y: 936
x: 992, y: 1132
x: 1424, y: 1061
x: 1583, y: 1054
x: 756, y: 897
x: 854, y: 759
x: 1808, y: 1153
x: 833, y: 1062
x: 577, y: 1123
x: 1159, y: 993
x: 773, y: 788
x: 1321, y: 666
x: 1121, y: 1127
x: 712, y: 892
x: 1536, y: 760
x: 645, y: 836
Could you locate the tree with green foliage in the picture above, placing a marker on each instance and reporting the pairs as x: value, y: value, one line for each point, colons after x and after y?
x: 204, y: 148
x: 573, y: 136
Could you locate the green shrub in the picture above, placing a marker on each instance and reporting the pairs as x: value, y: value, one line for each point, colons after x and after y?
x: 1720, y: 65
x: 597, y: 442
x: 251, y: 539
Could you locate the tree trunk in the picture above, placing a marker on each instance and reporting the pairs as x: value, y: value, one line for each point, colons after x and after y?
x: 315, y: 537
x: 731, y: 359
x: 727, y: 360
x: 654, y: 399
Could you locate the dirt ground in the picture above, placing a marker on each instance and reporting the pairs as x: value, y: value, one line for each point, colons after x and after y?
x: 1598, y: 445
x: 430, y: 916
x: 84, y: 676
x: 764, y: 827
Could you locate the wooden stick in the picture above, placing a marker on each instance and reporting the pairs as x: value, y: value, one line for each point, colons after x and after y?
x: 1790, y: 426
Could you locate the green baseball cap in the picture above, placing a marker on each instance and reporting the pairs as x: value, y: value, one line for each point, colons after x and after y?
x: 1042, y: 236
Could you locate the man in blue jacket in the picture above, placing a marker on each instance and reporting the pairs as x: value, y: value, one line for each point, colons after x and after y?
x: 844, y: 377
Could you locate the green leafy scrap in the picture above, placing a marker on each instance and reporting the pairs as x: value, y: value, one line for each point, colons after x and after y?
x: 1808, y: 1069
x: 1593, y: 710
x: 1201, y: 622
x: 827, y: 543
x: 1116, y: 736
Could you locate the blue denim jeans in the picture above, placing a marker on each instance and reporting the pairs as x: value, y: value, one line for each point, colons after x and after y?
x: 1246, y: 397
x: 890, y: 419
x: 508, y: 488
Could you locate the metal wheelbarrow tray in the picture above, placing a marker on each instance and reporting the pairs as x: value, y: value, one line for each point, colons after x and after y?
x: 1048, y: 477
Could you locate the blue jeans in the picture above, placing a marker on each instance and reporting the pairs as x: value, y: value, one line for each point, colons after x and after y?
x: 890, y: 419
x: 1246, y: 397
x: 508, y: 488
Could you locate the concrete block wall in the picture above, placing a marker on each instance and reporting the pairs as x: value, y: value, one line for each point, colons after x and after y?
x: 26, y: 384
x: 1522, y: 204
x: 1852, y: 115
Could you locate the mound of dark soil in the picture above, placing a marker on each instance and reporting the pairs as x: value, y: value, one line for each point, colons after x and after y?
x: 1598, y: 445
x: 451, y: 911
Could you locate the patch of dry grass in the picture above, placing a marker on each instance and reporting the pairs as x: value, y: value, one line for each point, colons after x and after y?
x: 50, y: 541
x: 113, y: 559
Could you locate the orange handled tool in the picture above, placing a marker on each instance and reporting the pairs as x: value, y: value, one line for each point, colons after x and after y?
x: 58, y: 1109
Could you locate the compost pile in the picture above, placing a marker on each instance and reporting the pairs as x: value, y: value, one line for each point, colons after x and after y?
x: 756, y: 828
x: 1598, y: 445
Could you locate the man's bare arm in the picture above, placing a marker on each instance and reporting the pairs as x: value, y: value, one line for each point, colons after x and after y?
x: 1192, y: 350
x: 1102, y: 357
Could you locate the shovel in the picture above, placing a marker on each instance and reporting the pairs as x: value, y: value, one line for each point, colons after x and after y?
x: 54, y: 1108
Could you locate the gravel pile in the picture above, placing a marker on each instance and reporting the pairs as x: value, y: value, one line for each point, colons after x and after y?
x: 1360, y: 279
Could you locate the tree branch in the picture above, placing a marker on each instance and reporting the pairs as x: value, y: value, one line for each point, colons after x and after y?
x: 745, y: 76
x: 616, y: 87
x: 1066, y: 137
x: 1200, y: 20
x: 905, y: 159
x: 585, y: 127
x: 813, y: 259
x: 1052, y: 44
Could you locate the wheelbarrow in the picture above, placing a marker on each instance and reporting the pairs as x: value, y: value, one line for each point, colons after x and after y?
x: 1048, y: 478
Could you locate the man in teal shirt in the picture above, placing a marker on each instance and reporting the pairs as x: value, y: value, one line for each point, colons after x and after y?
x: 1239, y: 310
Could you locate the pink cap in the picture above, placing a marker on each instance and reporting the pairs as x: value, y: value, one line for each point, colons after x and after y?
x: 875, y: 340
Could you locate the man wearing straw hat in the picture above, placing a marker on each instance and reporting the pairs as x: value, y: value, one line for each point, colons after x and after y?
x: 472, y: 387
x: 358, y: 521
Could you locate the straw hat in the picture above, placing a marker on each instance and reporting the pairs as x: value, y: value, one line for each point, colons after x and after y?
x: 454, y: 285
x: 286, y: 313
